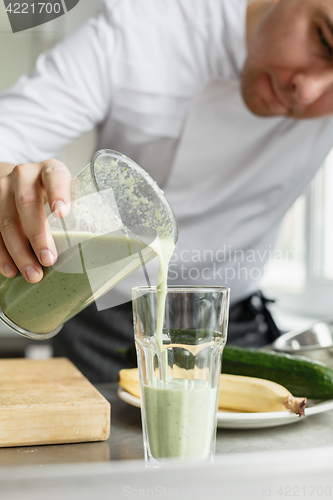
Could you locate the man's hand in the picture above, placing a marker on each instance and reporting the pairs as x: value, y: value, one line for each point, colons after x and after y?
x: 25, y: 238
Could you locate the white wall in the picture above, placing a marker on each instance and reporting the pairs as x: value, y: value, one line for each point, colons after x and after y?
x: 18, y: 53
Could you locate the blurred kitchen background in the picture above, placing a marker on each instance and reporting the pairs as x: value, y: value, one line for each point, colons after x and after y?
x: 300, y: 275
x: 18, y: 54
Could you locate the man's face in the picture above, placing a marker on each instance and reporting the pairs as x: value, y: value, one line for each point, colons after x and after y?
x: 289, y: 67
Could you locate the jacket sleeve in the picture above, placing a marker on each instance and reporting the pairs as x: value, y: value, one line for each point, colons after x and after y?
x: 67, y: 94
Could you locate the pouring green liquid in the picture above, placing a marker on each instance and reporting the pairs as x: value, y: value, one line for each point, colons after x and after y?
x: 179, y: 413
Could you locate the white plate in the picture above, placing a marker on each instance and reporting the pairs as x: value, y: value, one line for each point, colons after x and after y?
x: 234, y: 420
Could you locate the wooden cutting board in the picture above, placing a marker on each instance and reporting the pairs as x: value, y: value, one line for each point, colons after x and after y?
x: 49, y: 401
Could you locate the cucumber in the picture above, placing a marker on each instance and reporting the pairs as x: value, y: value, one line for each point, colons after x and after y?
x: 301, y: 376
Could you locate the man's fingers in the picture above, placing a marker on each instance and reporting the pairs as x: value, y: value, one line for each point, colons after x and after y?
x: 56, y: 180
x: 30, y: 207
x: 16, y: 245
x: 7, y: 266
x: 25, y: 237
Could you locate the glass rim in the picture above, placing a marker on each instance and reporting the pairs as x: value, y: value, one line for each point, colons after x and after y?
x: 181, y: 288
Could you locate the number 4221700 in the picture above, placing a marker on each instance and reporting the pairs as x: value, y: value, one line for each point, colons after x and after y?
x: 33, y: 8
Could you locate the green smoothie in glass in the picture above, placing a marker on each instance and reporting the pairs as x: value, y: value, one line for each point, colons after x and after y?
x: 180, y: 416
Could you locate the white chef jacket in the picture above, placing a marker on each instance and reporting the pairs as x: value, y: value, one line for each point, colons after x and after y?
x: 161, y: 80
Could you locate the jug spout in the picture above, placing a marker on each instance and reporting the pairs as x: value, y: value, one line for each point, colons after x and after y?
x: 117, y: 213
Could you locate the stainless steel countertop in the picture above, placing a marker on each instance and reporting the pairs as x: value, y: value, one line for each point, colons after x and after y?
x: 125, y: 442
x: 249, y: 463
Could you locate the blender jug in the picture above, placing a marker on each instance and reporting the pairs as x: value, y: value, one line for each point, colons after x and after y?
x: 117, y: 210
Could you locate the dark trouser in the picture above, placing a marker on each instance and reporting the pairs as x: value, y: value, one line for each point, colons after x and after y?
x: 92, y: 339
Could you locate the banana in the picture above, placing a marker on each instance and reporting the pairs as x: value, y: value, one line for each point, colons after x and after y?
x: 237, y: 393
x: 128, y: 379
x: 250, y: 394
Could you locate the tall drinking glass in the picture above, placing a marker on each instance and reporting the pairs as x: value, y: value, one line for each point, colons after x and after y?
x: 179, y: 368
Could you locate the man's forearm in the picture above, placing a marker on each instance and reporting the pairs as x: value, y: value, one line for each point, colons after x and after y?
x: 5, y: 169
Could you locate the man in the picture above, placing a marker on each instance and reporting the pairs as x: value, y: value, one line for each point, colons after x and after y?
x: 226, y: 104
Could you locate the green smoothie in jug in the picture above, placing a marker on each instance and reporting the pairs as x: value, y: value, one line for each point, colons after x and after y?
x: 116, y: 213
x: 76, y: 279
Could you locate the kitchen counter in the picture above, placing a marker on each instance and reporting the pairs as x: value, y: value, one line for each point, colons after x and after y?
x: 125, y: 441
x: 72, y: 464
